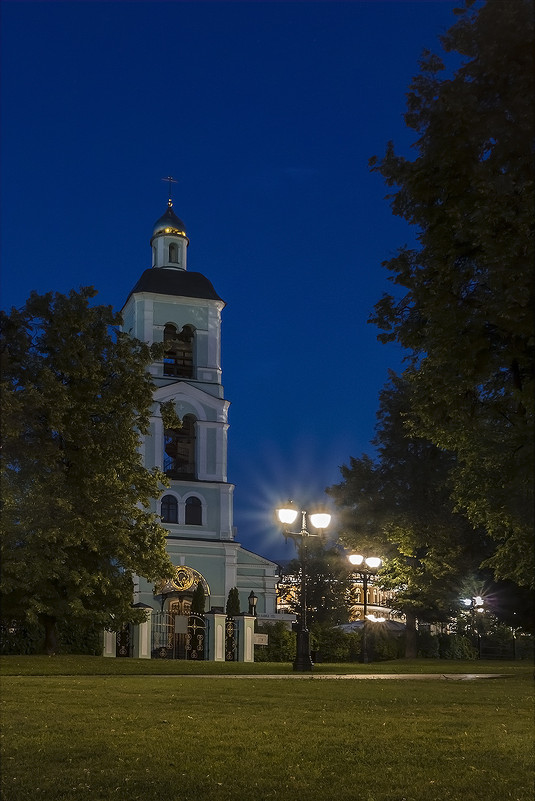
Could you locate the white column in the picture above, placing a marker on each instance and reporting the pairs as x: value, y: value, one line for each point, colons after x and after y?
x: 109, y: 644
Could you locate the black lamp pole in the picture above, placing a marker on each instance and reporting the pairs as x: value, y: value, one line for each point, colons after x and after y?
x: 303, y: 660
x: 364, y: 652
x: 361, y: 570
x: 319, y: 520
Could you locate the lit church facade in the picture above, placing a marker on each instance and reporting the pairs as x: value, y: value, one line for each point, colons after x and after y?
x: 180, y: 308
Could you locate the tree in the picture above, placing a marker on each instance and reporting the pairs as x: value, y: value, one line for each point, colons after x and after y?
x: 465, y: 311
x: 76, y: 525
x: 328, y: 583
x: 198, y: 602
x: 398, y: 507
x: 233, y: 602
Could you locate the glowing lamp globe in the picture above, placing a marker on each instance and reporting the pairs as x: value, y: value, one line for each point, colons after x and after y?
x: 320, y: 520
x: 373, y: 562
x: 287, y: 516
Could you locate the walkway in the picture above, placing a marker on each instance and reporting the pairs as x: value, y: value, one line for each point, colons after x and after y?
x: 342, y: 676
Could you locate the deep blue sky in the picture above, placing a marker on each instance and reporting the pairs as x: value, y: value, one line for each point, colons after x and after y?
x: 267, y: 114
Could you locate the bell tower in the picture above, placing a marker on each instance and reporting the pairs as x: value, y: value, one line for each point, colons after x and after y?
x: 181, y: 310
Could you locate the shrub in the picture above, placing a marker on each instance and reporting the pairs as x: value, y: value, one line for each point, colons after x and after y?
x: 383, y: 645
x: 74, y: 637
x: 524, y: 647
x: 281, y: 644
x: 456, y: 646
x: 332, y: 644
x: 233, y: 602
x: 428, y: 645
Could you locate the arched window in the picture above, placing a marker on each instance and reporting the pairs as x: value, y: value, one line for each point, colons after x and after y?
x: 154, y: 256
x: 178, y: 356
x: 179, y: 450
x: 169, y: 511
x: 173, y: 253
x: 193, y: 512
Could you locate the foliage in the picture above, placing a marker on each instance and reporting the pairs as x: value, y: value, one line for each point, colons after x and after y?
x: 525, y: 647
x: 233, y: 602
x: 456, y: 646
x: 383, y: 645
x: 76, y: 525
x: 198, y: 602
x: 328, y: 578
x: 398, y: 507
x: 281, y: 644
x: 73, y: 637
x: 428, y: 646
x: 334, y: 645
x: 170, y: 418
x: 465, y: 310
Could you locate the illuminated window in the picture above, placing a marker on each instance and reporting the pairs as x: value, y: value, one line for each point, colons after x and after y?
x: 193, y: 512
x: 178, y: 356
x: 179, y: 450
x: 169, y: 511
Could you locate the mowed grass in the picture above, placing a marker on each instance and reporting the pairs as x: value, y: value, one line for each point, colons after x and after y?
x: 186, y: 738
x: 100, y: 666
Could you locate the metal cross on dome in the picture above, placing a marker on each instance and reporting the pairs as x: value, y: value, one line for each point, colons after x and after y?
x: 170, y: 180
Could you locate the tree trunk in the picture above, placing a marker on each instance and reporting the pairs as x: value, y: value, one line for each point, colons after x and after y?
x: 51, y: 643
x: 411, y: 644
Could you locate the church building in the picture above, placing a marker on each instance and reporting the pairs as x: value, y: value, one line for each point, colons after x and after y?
x: 182, y: 309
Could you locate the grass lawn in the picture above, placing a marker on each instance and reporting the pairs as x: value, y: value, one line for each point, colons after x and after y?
x: 69, y: 733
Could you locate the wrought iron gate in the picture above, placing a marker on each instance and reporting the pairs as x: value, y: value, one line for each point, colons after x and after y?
x: 231, y: 639
x: 163, y: 631
x: 177, y: 636
x: 123, y: 642
x: 195, y: 637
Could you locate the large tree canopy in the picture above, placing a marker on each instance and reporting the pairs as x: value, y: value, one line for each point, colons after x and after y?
x: 398, y: 506
x: 465, y: 311
x: 76, y: 525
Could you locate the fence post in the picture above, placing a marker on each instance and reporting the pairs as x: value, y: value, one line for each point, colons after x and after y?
x: 142, y: 635
x: 215, y: 636
x: 245, y: 637
x: 108, y: 648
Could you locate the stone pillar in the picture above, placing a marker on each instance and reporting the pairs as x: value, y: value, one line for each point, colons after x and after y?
x: 245, y: 638
x: 215, y: 636
x: 142, y: 637
x: 109, y: 645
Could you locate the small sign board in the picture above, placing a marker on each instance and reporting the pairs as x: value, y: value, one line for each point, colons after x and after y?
x: 181, y: 624
x: 260, y: 639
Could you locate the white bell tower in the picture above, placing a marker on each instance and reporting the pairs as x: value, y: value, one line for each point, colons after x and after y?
x: 182, y: 310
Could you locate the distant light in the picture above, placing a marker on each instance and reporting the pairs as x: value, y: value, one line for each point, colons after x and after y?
x: 356, y: 559
x: 480, y: 609
x: 467, y: 601
x: 320, y: 519
x: 478, y: 600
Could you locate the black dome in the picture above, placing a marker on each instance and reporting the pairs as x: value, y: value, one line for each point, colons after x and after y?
x: 180, y: 283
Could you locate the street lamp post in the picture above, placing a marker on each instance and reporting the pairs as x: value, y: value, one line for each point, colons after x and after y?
x: 475, y: 604
x: 319, y: 520
x: 366, y: 567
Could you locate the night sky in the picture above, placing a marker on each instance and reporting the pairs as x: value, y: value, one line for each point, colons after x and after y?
x: 266, y: 113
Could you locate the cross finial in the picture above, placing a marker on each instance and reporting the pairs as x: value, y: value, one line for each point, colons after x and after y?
x: 170, y: 181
